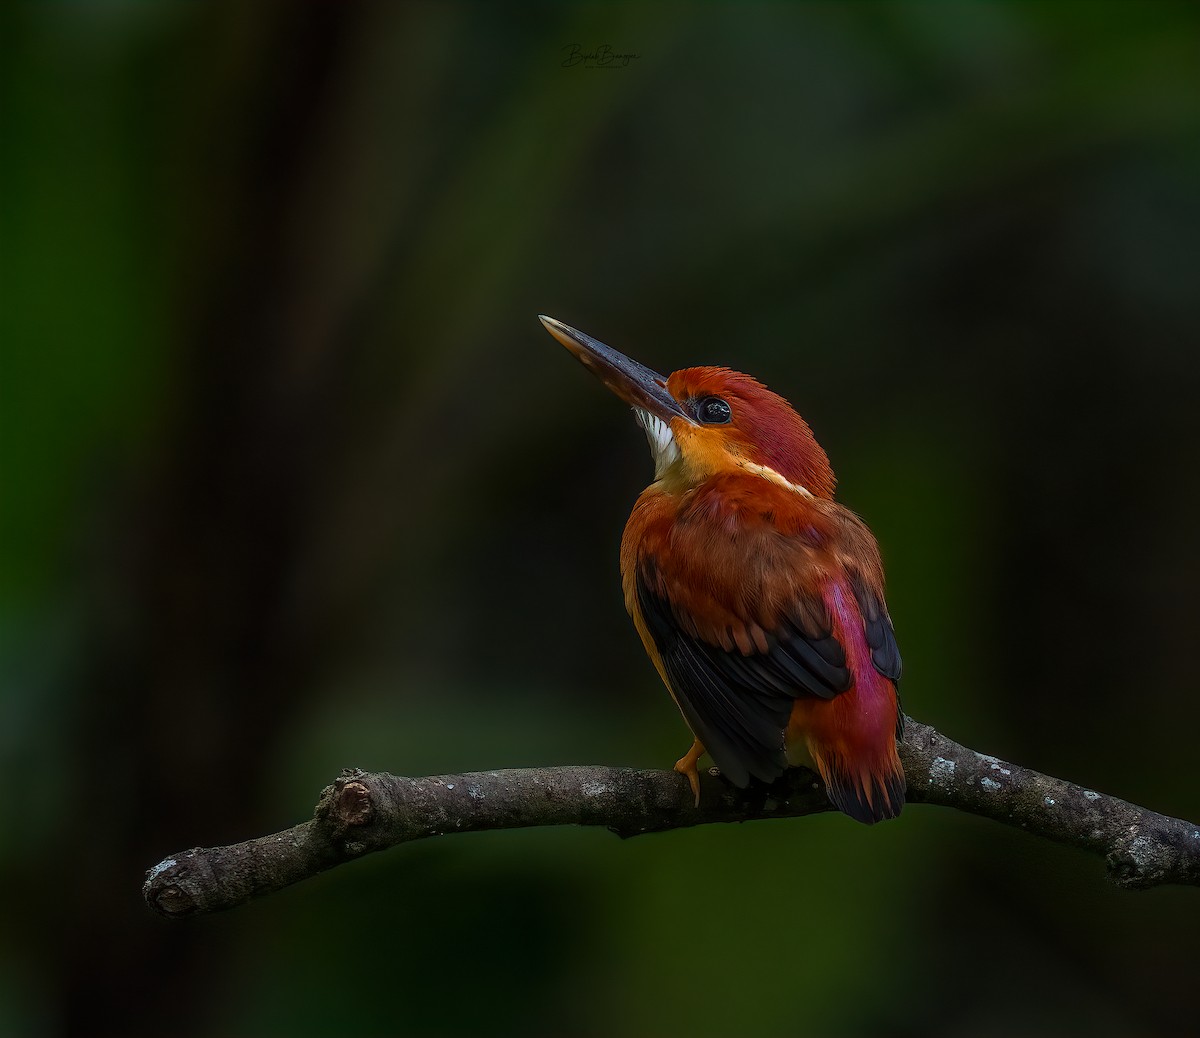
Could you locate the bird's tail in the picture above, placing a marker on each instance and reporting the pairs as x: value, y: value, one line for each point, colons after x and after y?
x: 867, y: 787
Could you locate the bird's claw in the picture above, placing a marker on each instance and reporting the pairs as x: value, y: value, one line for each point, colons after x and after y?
x: 686, y: 765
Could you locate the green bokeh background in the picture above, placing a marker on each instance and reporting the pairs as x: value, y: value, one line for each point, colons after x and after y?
x: 293, y: 480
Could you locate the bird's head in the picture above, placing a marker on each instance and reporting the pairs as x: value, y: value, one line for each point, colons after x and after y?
x: 704, y: 421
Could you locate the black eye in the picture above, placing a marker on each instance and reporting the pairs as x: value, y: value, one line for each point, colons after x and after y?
x: 712, y: 410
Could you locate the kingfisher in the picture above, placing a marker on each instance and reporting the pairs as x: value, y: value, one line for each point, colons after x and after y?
x: 758, y: 598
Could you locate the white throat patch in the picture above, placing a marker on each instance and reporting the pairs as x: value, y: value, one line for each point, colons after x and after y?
x: 663, y: 447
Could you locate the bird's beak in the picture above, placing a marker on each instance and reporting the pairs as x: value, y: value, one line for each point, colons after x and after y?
x: 634, y: 383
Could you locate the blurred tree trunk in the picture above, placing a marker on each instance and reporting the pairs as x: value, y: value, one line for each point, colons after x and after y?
x: 204, y: 654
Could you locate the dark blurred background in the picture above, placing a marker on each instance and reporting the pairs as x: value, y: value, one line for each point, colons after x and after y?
x: 293, y: 480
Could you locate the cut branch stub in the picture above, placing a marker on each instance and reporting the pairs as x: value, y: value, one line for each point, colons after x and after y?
x: 347, y: 803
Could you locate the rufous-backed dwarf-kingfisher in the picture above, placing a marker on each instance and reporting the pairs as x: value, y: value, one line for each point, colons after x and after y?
x: 758, y: 597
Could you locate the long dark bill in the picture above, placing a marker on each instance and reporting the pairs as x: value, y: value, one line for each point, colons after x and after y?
x: 634, y: 383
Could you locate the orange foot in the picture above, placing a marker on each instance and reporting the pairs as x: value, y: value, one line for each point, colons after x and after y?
x: 686, y: 765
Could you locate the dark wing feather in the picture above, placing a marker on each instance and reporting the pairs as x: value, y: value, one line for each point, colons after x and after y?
x: 885, y: 653
x: 739, y: 705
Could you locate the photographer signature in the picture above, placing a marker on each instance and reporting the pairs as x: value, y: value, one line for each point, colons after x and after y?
x: 603, y: 56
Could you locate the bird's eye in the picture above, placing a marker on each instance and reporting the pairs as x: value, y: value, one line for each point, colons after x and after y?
x: 712, y: 410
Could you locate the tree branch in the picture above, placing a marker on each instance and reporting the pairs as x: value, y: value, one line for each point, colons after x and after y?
x: 361, y: 813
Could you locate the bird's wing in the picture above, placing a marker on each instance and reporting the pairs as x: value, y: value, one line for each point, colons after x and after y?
x: 734, y: 670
